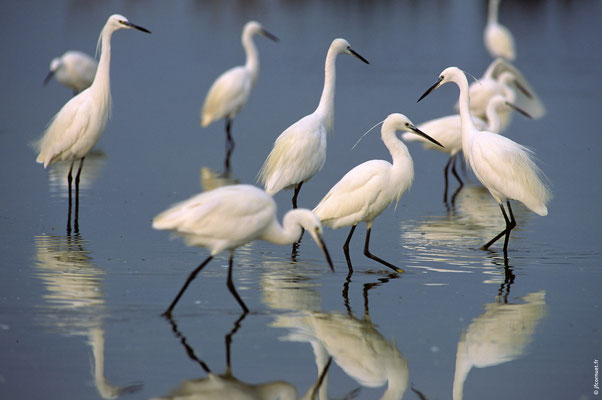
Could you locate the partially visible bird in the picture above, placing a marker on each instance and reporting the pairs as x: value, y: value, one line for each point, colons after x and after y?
x: 76, y: 128
x: 448, y: 131
x: 498, y: 39
x: 229, y: 217
x: 366, y: 190
x: 503, y: 166
x: 494, y: 81
x: 230, y: 91
x: 73, y: 69
x: 300, y: 151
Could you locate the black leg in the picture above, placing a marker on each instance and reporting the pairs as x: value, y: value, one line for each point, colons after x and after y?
x: 346, y: 249
x: 510, y: 224
x: 296, y: 193
x: 375, y: 258
x: 445, y: 170
x: 230, y: 285
x: 454, y: 170
x: 229, y: 146
x: 69, y: 180
x: 191, y: 277
x: 76, y: 216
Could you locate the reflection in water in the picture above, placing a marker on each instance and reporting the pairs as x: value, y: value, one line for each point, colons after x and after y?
x: 354, y: 343
x: 475, y: 219
x: 57, y: 173
x: 499, y: 335
x: 226, y: 385
x: 74, y: 302
x: 211, y: 179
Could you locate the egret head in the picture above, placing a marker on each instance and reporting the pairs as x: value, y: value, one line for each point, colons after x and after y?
x: 55, y: 64
x: 449, y: 74
x: 311, y: 223
x: 343, y: 46
x: 117, y: 21
x: 399, y: 122
x: 254, y: 28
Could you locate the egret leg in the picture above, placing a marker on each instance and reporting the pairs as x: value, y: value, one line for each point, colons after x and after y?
x: 76, y: 216
x: 69, y: 180
x: 231, y: 286
x: 296, y: 193
x: 454, y: 170
x: 346, y: 248
x: 375, y: 258
x: 510, y: 224
x: 191, y: 277
x: 445, y: 170
x: 229, y: 145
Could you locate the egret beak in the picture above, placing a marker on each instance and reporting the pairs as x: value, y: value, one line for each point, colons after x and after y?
x: 522, y: 89
x: 130, y: 25
x: 435, y: 86
x: 424, y: 135
x: 354, y: 53
x: 519, y: 110
x: 322, y: 245
x: 269, y: 35
x: 312, y: 393
x: 48, y: 77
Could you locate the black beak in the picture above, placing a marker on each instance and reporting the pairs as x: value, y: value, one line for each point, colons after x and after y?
x: 357, y: 55
x: 424, y: 135
x: 523, y: 89
x: 48, y: 77
x: 269, y: 35
x: 325, y: 250
x: 519, y: 110
x: 136, y: 27
x: 435, y: 86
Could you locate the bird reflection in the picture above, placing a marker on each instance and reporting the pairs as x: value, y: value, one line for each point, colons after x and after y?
x: 354, y: 344
x: 74, y: 301
x: 498, y: 335
x: 211, y: 179
x: 475, y: 218
x: 226, y: 385
x: 57, y: 180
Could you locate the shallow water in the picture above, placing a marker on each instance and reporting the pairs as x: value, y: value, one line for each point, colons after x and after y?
x: 80, y: 312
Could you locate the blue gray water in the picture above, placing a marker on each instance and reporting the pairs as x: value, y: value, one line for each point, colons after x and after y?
x: 80, y: 313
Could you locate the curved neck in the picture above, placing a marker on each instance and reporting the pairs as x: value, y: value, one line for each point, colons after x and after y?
x: 326, y: 105
x: 287, y: 233
x: 101, y: 85
x: 402, y: 161
x: 493, y: 7
x: 464, y: 104
x: 252, y: 63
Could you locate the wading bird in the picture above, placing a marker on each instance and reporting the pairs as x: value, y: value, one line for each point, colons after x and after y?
x: 74, y: 70
x: 229, y: 217
x: 366, y: 190
x: 498, y: 39
x: 230, y: 91
x: 503, y: 166
x: 300, y: 151
x: 76, y: 128
x: 448, y: 131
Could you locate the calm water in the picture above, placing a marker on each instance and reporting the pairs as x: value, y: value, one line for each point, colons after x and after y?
x: 79, y: 314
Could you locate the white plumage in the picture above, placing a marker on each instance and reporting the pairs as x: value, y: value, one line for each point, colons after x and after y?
x: 231, y: 216
x: 73, y: 69
x: 503, y: 166
x: 300, y: 151
x: 369, y: 188
x: 498, y: 39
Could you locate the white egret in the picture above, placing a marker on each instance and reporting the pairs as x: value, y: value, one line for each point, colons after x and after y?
x: 448, y: 131
x: 76, y: 128
x: 494, y: 81
x: 498, y: 39
x: 230, y: 91
x: 366, y: 190
x: 503, y: 166
x: 231, y: 216
x: 74, y: 70
x: 300, y: 151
